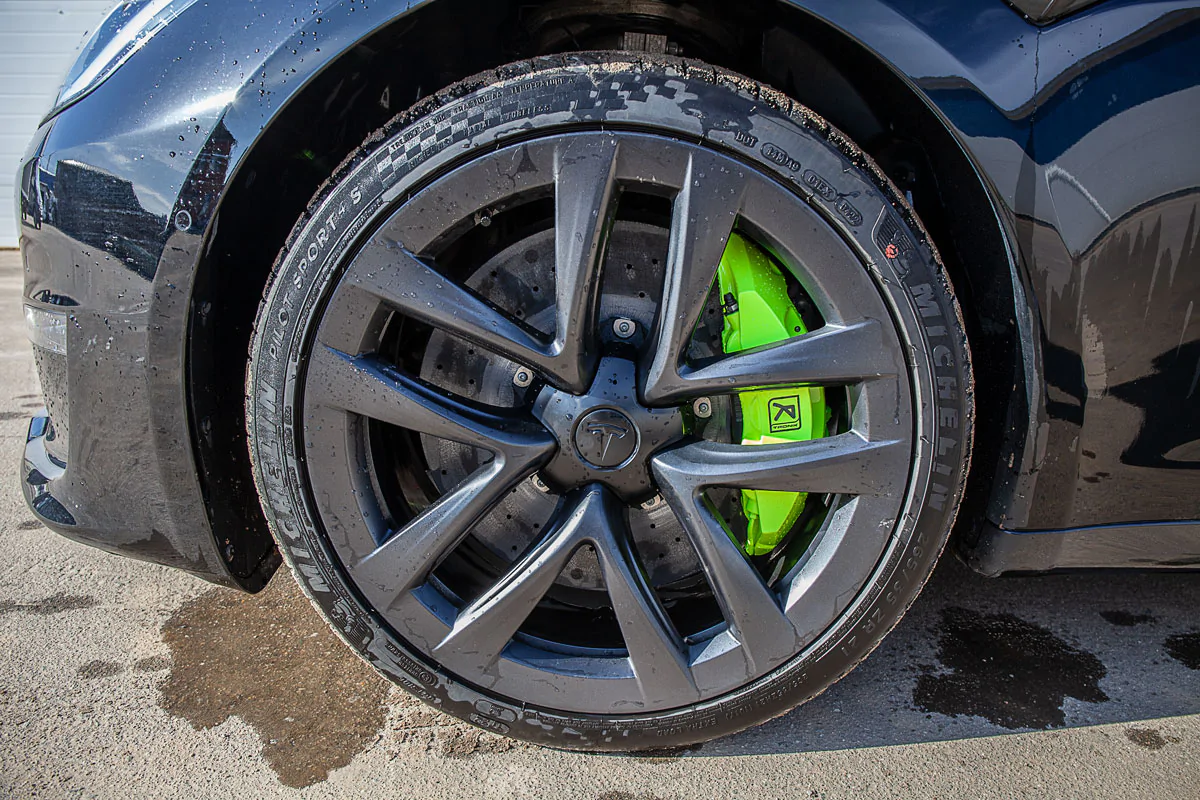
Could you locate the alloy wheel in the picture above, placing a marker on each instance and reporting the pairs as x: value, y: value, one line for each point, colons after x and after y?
x: 524, y: 491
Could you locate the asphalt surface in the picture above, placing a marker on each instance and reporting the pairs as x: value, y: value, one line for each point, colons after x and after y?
x: 125, y: 680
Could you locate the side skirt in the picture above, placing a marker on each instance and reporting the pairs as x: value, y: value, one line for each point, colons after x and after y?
x: 1154, y: 545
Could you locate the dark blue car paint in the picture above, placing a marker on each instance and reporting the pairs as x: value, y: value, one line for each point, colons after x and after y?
x: 1082, y: 131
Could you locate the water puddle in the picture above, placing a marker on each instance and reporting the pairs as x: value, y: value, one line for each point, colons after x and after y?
x: 1125, y: 619
x: 1006, y: 670
x: 1184, y: 648
x: 271, y: 660
x: 1149, y: 738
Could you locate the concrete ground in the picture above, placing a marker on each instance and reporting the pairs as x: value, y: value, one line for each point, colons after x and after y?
x: 121, y: 679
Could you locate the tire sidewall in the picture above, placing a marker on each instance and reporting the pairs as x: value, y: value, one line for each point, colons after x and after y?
x: 692, y: 101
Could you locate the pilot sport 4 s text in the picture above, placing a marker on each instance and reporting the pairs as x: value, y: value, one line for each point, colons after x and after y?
x: 611, y: 374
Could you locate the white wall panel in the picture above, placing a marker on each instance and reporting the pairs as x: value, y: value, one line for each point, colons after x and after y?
x: 38, y: 39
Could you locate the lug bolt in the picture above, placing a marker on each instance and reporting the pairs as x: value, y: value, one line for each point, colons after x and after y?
x: 624, y: 328
x: 702, y: 407
x: 540, y: 484
x: 653, y: 503
x: 523, y: 378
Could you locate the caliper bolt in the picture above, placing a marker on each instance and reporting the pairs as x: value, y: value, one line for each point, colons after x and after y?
x: 702, y: 407
x: 523, y: 378
x: 624, y: 328
x: 540, y: 484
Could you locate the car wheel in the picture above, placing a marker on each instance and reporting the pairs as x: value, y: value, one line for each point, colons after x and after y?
x: 610, y: 402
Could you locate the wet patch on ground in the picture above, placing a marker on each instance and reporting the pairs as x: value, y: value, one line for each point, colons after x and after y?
x: 1184, y: 648
x: 1125, y: 619
x: 1006, y: 670
x: 54, y: 604
x: 271, y: 660
x: 29, y: 525
x: 1149, y: 738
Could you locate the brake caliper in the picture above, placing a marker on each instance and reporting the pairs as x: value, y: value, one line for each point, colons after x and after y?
x: 759, y: 312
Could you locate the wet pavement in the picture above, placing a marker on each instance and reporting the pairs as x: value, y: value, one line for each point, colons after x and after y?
x: 122, y: 679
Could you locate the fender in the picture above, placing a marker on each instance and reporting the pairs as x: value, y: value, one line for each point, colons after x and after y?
x: 981, y: 95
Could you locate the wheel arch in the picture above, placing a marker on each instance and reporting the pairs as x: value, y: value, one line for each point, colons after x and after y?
x: 357, y: 83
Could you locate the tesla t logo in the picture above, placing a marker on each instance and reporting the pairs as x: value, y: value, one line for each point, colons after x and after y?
x: 784, y: 413
x: 606, y: 433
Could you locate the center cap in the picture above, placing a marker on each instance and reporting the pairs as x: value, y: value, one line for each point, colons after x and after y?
x: 605, y: 435
x: 606, y: 438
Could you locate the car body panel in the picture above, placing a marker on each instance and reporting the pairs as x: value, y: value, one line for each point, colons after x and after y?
x: 1114, y: 241
x: 1078, y: 131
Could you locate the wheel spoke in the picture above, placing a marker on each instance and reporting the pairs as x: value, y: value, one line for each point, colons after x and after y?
x: 484, y: 627
x: 842, y: 464
x: 657, y: 654
x: 367, y: 386
x: 404, y: 282
x: 750, y: 608
x: 404, y: 560
x: 830, y: 356
x: 585, y: 193
x: 704, y: 214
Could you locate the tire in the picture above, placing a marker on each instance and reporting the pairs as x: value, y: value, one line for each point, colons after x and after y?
x: 309, y: 415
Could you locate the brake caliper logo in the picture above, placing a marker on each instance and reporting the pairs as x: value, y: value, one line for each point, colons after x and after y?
x: 784, y: 413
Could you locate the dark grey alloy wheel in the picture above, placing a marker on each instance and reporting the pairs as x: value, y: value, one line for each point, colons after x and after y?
x: 500, y: 445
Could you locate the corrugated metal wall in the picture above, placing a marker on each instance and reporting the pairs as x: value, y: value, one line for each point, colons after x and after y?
x: 38, y: 39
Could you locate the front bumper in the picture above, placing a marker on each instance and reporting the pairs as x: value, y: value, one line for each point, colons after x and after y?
x: 110, y: 462
x: 63, y: 505
x: 101, y: 487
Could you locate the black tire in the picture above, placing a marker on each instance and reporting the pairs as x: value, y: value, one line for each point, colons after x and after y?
x: 692, y: 102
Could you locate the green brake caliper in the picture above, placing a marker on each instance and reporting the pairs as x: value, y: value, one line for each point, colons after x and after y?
x: 759, y: 312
